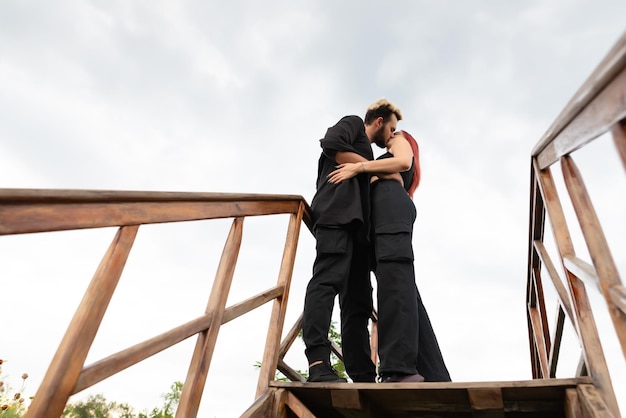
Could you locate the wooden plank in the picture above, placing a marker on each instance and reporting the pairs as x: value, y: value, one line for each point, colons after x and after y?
x: 572, y: 404
x: 9, y: 195
x: 553, y: 360
x: 592, y: 403
x: 298, y: 407
x: 590, y: 341
x: 290, y: 337
x: 602, y: 77
x: 564, y: 297
x: 537, y: 398
x: 68, y: 361
x: 553, y: 206
x: 279, y: 409
x: 486, y: 399
x: 61, y: 199
x: 205, y: 344
x: 346, y: 399
x: 582, y: 313
x: 40, y: 217
x: 235, y: 311
x: 594, y: 120
x: 290, y: 373
x: 596, y: 244
x: 269, y: 362
x: 262, y: 406
x: 334, y: 347
x: 354, y: 404
x: 432, y: 386
x: 536, y: 221
x: 619, y: 139
x: 102, y: 369
x: 536, y: 231
x: 583, y: 270
x: 541, y: 345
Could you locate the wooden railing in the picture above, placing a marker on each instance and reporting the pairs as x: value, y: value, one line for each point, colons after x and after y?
x: 28, y: 210
x: 597, y: 108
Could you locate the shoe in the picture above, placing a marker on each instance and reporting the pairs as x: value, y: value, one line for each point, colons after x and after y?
x: 364, y: 379
x: 402, y: 378
x: 324, y: 372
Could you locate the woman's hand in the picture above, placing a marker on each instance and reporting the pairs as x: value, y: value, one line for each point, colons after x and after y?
x: 343, y: 172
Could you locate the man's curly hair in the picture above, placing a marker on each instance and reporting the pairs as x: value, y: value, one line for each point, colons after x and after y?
x: 381, y: 108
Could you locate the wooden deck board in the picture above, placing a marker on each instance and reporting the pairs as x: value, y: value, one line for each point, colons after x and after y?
x: 510, y: 399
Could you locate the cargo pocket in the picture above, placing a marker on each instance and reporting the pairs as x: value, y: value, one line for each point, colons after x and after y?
x: 331, y: 240
x: 394, y: 243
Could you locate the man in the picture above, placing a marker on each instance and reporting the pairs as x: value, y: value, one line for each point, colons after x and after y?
x: 341, y: 228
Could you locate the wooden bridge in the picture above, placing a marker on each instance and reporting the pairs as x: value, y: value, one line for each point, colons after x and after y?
x: 599, y: 107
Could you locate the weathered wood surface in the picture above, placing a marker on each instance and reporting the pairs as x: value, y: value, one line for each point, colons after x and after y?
x: 530, y: 398
x: 107, y: 367
x: 68, y: 361
x: 38, y: 210
x: 269, y: 364
x: 595, y: 108
x: 205, y: 344
x: 605, y: 268
x: 581, y: 308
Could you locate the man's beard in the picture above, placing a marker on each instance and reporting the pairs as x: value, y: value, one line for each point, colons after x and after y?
x: 379, y: 138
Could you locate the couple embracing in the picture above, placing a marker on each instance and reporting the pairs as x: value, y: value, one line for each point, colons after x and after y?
x: 363, y: 216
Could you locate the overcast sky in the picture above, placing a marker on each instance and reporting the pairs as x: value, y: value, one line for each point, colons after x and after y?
x: 233, y: 97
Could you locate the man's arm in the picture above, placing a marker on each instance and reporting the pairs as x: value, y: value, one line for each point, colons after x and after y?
x: 348, y: 157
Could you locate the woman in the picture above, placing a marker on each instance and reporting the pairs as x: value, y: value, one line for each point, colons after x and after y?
x: 408, y: 347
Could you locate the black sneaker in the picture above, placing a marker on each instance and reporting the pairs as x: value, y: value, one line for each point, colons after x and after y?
x: 363, y: 379
x: 324, y: 372
x: 402, y: 378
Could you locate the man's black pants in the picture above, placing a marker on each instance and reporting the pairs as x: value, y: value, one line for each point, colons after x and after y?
x: 341, y: 268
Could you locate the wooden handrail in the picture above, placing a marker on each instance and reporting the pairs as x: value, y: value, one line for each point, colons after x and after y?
x: 24, y: 211
x: 591, y: 112
x: 40, y: 210
x: 597, y: 108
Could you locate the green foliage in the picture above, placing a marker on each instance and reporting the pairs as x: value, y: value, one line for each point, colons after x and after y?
x: 96, y: 406
x: 11, y: 402
x: 171, y: 402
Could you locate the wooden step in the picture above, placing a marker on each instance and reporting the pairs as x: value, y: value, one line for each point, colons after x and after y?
x: 548, y: 398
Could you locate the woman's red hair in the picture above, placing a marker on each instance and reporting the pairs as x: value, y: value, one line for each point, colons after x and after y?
x: 417, y: 172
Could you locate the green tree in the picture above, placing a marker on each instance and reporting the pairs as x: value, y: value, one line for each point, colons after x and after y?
x: 97, y: 406
x: 12, y: 403
x: 171, y: 399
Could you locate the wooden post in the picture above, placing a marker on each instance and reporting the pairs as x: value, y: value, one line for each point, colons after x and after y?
x: 277, y: 319
x: 201, y: 360
x: 597, y: 245
x: 585, y: 324
x: 66, y: 366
